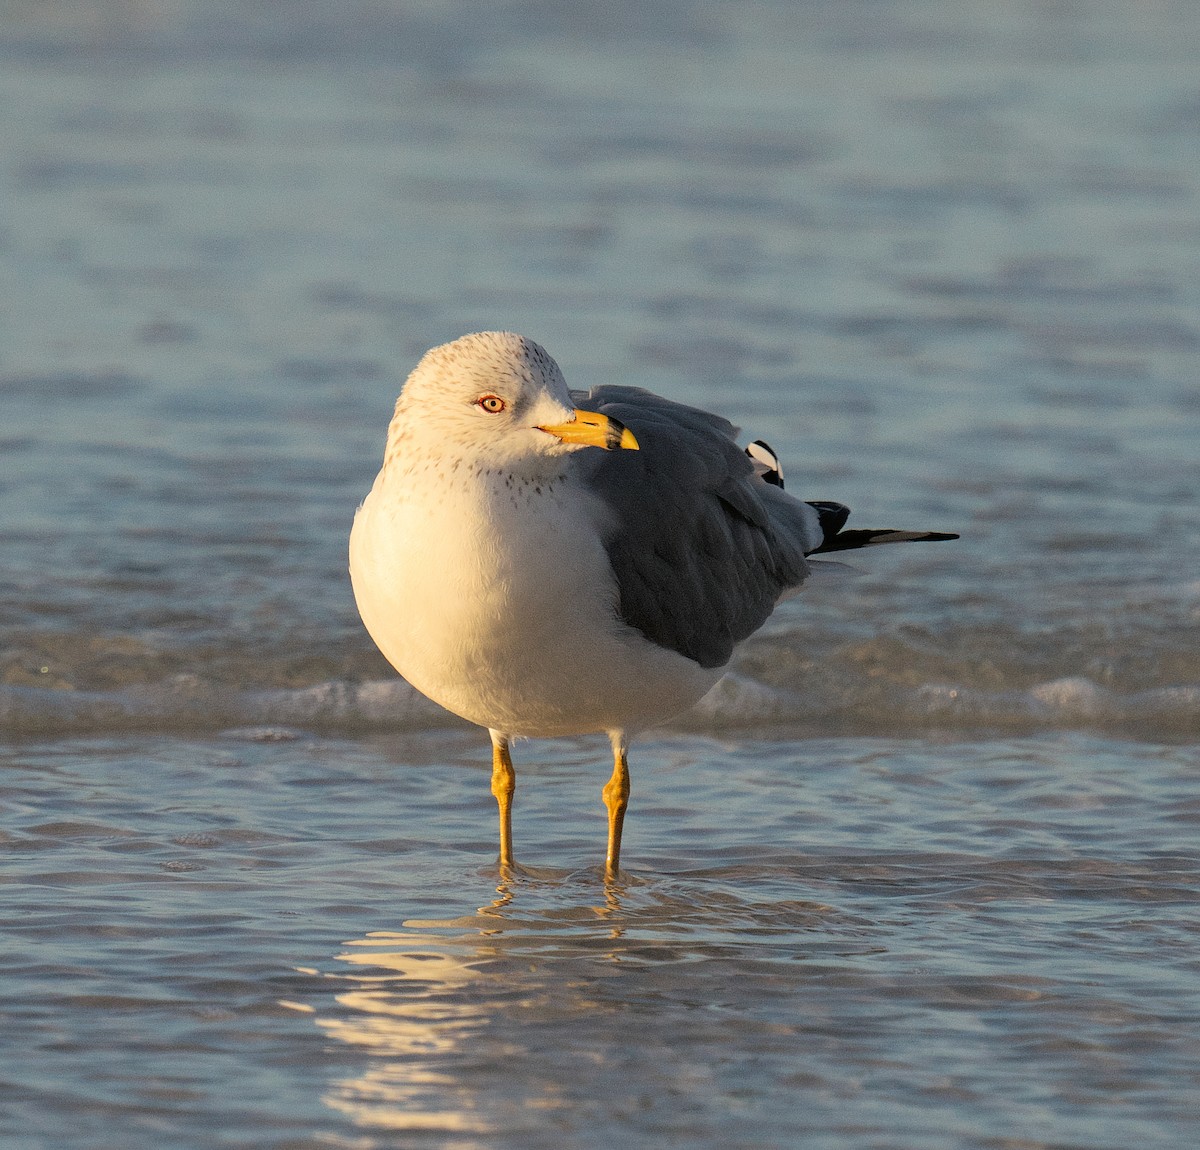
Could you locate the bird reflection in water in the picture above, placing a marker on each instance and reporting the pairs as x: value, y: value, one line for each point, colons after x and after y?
x: 505, y: 889
x: 422, y: 1002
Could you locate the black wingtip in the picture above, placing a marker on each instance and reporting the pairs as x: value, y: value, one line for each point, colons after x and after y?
x: 831, y: 516
x: 852, y: 540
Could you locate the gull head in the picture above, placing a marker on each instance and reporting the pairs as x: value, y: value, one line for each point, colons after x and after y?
x: 495, y: 400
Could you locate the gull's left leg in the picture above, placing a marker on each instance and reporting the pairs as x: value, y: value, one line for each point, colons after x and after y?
x: 616, y: 798
x: 504, y: 783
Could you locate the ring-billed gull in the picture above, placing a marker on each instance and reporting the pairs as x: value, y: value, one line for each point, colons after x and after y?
x: 538, y: 588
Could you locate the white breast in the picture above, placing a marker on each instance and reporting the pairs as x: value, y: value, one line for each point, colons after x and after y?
x: 494, y: 597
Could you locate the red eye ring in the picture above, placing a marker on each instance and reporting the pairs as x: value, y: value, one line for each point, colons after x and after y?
x: 492, y: 404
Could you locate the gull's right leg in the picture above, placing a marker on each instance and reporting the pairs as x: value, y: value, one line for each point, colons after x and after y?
x: 504, y: 783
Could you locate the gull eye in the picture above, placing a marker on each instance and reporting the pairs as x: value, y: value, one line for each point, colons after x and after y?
x: 492, y: 404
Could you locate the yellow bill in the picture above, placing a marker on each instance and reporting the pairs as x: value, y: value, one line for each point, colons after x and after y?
x: 594, y: 430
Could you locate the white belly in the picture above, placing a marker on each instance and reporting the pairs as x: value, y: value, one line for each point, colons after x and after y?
x: 510, y: 622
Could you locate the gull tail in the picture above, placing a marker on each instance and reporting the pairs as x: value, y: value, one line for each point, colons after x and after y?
x: 833, y: 517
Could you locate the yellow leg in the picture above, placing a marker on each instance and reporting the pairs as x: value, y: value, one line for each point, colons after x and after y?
x: 504, y: 783
x: 616, y: 798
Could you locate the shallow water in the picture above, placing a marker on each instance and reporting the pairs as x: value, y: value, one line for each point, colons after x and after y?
x: 827, y: 942
x: 921, y: 872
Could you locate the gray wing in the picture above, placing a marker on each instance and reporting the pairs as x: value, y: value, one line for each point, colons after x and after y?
x: 701, y: 546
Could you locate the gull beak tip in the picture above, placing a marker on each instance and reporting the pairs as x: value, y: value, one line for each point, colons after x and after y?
x: 626, y: 439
